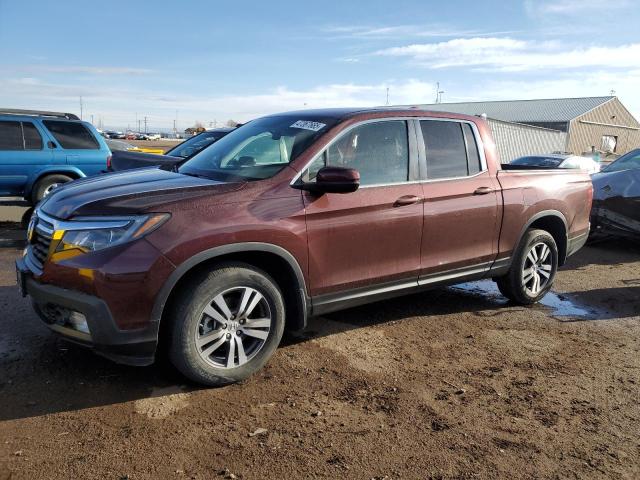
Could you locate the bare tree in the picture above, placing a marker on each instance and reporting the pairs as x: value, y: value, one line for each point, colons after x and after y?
x: 231, y: 123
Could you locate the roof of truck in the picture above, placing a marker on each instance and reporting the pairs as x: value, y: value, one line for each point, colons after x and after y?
x: 343, y: 113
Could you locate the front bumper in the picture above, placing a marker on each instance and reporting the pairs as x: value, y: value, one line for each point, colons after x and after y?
x: 131, y: 347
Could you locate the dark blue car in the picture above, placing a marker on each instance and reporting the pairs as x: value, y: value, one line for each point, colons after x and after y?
x: 41, y: 150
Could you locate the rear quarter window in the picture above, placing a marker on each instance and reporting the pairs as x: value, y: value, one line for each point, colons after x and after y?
x: 72, y: 135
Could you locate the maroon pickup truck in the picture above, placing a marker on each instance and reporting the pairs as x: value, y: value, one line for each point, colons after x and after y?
x: 289, y: 216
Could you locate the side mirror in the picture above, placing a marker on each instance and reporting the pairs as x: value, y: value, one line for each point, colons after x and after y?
x: 333, y: 180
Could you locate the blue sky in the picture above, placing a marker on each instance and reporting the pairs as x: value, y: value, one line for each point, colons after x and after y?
x: 211, y: 61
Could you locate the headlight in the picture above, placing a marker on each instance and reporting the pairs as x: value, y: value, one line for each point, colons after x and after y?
x: 92, y: 234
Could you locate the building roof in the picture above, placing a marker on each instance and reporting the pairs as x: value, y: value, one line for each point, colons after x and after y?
x: 525, y: 111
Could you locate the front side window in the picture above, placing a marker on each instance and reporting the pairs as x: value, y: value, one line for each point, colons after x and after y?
x: 11, y: 136
x: 258, y: 149
x: 379, y: 151
x: 71, y: 135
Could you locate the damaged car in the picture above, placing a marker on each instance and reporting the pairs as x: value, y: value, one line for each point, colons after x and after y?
x: 616, y: 198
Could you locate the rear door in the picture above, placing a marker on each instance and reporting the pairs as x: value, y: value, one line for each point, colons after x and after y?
x: 22, y: 155
x: 369, y: 238
x: 77, y: 146
x: 461, y: 224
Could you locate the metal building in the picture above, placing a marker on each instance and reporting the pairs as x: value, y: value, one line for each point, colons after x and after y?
x: 600, y: 122
x: 515, y: 140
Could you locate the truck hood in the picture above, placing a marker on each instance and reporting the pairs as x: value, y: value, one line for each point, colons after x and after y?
x: 129, y: 192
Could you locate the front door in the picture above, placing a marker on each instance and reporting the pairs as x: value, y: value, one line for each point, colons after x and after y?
x: 368, y: 239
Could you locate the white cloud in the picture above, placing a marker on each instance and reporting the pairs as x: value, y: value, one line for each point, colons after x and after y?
x: 573, y: 7
x: 509, y: 54
x: 118, y: 106
x: 404, y: 31
x: 593, y: 83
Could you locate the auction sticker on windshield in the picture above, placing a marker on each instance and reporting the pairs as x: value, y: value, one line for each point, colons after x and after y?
x: 309, y: 125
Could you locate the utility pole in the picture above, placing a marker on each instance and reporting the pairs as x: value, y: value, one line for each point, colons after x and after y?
x: 387, y: 96
x: 80, y: 107
x: 92, y: 119
x: 438, y: 93
x: 145, y: 124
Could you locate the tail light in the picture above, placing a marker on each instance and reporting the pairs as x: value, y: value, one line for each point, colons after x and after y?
x: 109, y: 162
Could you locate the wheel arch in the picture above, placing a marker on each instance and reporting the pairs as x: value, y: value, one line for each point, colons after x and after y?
x: 554, y: 222
x: 59, y: 170
x: 281, y: 265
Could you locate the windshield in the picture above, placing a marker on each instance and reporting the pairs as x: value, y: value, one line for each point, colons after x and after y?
x: 259, y: 149
x: 626, y: 162
x: 193, y: 145
x: 549, y: 162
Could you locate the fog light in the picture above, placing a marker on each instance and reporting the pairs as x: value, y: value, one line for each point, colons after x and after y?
x: 78, y: 322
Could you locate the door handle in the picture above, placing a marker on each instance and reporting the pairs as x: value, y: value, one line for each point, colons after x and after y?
x: 483, y: 190
x: 407, y: 200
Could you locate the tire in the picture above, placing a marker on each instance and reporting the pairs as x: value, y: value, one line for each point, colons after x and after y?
x: 215, y: 348
x: 519, y: 284
x: 45, y: 185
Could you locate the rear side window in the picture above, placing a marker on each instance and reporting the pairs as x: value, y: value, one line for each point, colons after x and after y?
x: 451, y: 149
x: 379, y: 151
x: 32, y: 138
x: 72, y: 135
x: 11, y: 136
x: 472, y: 149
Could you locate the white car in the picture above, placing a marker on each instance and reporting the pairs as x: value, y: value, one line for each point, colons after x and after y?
x: 556, y: 160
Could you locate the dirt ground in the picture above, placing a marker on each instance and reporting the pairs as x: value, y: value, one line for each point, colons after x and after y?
x: 451, y: 383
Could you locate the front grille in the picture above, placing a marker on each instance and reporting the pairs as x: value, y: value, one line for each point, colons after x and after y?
x: 38, y: 248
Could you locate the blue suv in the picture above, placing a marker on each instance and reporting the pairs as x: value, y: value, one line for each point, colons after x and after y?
x: 41, y: 150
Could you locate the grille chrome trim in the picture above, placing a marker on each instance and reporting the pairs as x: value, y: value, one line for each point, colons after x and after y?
x: 38, y: 247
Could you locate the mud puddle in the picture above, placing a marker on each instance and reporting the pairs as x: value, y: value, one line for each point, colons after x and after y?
x: 560, y: 305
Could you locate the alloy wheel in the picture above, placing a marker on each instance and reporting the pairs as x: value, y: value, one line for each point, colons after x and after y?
x: 538, y: 268
x: 50, y: 189
x: 233, y: 327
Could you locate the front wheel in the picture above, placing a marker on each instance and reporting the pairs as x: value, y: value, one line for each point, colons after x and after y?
x: 226, y: 324
x: 533, y: 269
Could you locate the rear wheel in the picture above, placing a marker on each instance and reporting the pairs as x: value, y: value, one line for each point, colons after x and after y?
x: 533, y: 269
x: 226, y: 324
x: 46, y: 185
